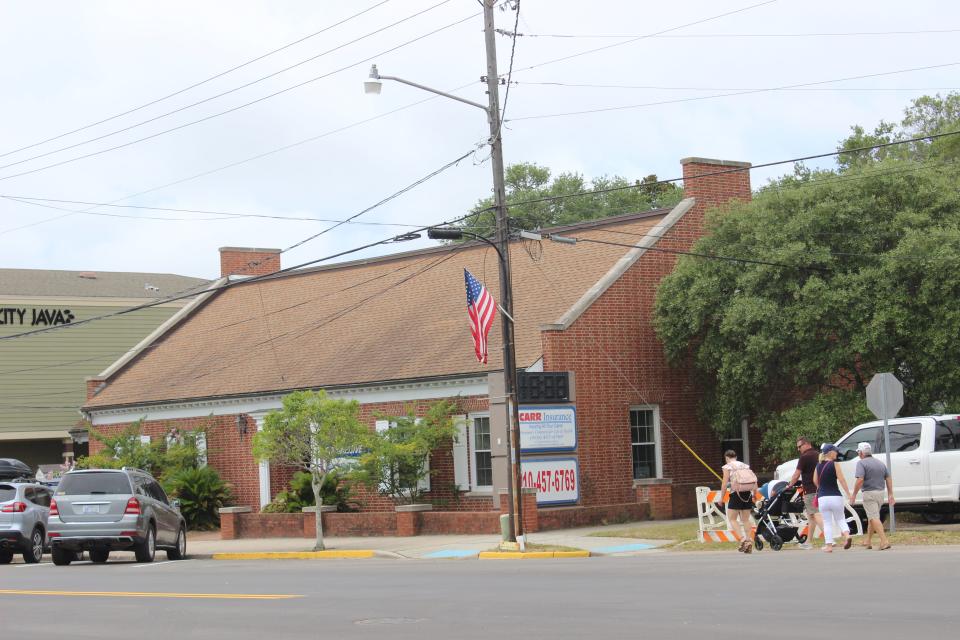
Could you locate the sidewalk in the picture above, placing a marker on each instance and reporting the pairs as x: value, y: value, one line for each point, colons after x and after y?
x: 205, y: 544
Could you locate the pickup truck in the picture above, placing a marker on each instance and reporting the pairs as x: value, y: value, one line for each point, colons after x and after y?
x: 925, y: 461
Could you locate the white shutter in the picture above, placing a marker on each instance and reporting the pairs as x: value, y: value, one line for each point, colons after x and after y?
x: 202, y: 448
x: 381, y: 426
x: 461, y: 454
x: 424, y: 484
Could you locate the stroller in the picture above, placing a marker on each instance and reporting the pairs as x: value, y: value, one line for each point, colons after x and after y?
x: 778, y: 515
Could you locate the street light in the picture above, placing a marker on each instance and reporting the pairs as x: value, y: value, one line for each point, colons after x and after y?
x: 373, y: 86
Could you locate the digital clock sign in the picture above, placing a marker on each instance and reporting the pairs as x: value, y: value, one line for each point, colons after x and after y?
x: 549, y: 386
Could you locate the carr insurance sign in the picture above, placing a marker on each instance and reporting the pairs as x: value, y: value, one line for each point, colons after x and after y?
x: 546, y: 429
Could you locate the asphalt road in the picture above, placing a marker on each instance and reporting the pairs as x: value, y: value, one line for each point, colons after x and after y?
x: 791, y: 594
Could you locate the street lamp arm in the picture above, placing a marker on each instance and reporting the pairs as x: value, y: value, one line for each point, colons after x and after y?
x: 477, y: 236
x: 439, y: 93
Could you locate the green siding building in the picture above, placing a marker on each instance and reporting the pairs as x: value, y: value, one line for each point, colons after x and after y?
x: 42, y: 376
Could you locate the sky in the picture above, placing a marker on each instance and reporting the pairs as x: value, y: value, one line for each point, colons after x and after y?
x: 69, y: 64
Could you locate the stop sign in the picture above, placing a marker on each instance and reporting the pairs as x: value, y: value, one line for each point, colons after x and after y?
x: 885, y: 395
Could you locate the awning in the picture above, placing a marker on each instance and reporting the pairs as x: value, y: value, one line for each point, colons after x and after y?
x: 35, y: 435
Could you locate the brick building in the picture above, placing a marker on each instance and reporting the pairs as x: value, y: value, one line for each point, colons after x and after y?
x: 391, y: 331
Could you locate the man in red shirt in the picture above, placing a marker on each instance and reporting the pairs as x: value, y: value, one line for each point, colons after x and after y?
x: 806, y: 465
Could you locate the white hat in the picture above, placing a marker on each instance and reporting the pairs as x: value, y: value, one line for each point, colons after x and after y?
x: 865, y: 448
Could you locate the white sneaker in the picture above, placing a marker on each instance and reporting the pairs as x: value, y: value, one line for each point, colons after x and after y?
x: 806, y: 546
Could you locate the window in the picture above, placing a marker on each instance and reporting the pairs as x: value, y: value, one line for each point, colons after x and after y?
x: 482, y: 463
x: 736, y: 439
x: 948, y: 435
x: 41, y: 497
x: 903, y: 437
x: 848, y: 446
x: 644, y: 438
x: 93, y: 482
x: 156, y: 492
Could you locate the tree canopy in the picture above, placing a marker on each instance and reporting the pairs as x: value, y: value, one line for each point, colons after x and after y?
x: 860, y: 276
x: 529, y: 181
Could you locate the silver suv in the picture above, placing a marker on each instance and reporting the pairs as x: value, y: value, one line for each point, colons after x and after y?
x: 23, y: 520
x: 103, y: 510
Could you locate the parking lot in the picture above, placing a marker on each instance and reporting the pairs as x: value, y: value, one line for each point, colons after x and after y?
x: 908, y: 591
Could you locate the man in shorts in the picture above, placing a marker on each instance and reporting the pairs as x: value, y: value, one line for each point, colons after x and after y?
x: 806, y: 465
x: 872, y: 476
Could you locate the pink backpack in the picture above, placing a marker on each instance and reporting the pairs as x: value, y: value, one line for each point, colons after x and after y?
x: 742, y: 478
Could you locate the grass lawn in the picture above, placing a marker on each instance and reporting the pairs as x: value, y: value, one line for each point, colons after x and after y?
x: 684, y: 536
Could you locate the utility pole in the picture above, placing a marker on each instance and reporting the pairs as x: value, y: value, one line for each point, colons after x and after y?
x: 506, y: 289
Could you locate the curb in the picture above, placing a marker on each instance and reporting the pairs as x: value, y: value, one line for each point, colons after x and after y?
x: 531, y: 555
x: 296, y: 555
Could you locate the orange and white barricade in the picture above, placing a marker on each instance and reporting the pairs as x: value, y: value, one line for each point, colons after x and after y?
x: 714, y: 524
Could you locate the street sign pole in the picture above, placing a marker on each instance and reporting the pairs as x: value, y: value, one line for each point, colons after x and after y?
x: 886, y: 447
x: 885, y: 399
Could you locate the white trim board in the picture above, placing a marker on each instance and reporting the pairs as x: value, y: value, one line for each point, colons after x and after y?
x: 400, y: 392
x: 617, y: 270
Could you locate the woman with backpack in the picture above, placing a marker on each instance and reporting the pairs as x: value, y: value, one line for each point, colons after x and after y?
x: 743, y: 484
x: 829, y: 478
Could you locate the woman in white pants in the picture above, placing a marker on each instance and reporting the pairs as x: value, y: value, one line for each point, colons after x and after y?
x: 829, y: 478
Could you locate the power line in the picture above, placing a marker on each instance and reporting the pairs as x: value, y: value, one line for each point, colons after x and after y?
x: 396, y: 194
x: 739, y: 35
x: 935, y: 136
x: 727, y: 95
x: 644, y: 37
x: 238, y: 107
x: 224, y: 93
x: 197, y: 84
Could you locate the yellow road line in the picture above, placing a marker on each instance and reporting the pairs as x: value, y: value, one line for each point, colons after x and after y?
x: 294, y: 555
x: 148, y: 594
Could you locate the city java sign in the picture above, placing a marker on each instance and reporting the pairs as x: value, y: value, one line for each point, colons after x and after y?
x: 548, y: 429
x: 35, y: 317
x: 556, y: 480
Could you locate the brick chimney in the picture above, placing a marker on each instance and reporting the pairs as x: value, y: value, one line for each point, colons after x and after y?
x: 243, y: 261
x: 715, y: 190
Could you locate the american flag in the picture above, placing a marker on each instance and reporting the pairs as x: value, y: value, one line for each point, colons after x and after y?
x: 481, y: 310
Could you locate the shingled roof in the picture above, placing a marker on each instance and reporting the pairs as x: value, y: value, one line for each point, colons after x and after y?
x: 392, y: 318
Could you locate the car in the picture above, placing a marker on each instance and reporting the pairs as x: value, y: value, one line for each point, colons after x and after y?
x: 24, y: 507
x: 924, y: 460
x: 104, y: 510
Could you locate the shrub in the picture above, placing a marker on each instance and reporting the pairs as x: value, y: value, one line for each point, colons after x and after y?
x: 162, y: 458
x: 201, y: 493
x: 335, y: 490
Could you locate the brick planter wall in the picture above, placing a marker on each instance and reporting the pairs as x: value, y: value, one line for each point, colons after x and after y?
x: 569, y: 517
